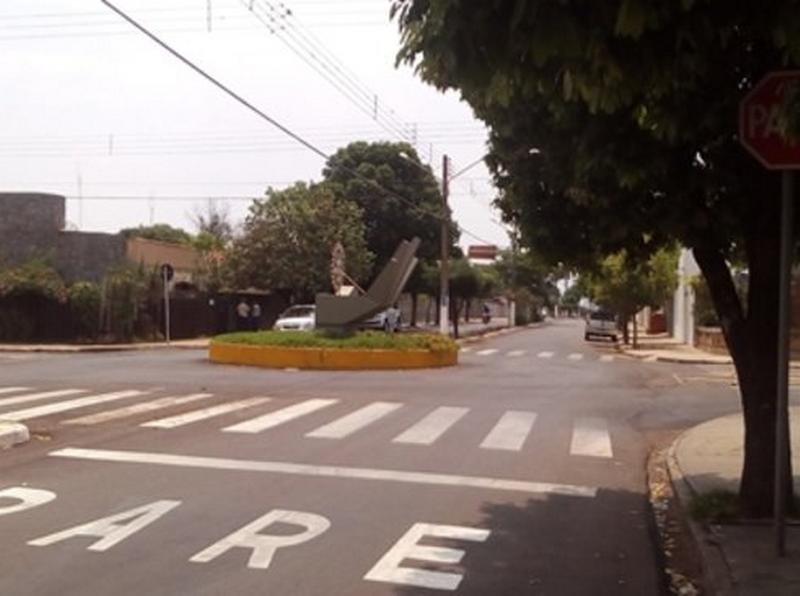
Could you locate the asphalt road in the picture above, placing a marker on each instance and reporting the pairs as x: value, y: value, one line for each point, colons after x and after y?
x: 521, y: 471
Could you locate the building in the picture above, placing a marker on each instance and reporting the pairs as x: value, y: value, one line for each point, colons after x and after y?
x: 32, y: 226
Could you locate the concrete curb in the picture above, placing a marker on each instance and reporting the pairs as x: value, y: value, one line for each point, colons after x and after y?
x: 76, y: 348
x: 717, y: 575
x: 13, y: 433
x: 279, y: 357
x: 675, y: 359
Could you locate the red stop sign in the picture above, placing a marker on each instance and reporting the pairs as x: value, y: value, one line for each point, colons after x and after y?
x: 758, y: 122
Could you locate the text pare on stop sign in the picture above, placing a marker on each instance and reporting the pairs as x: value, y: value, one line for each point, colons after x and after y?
x: 760, y: 130
x: 263, y: 549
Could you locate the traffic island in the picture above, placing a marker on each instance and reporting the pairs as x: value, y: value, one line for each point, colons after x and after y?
x: 315, y: 351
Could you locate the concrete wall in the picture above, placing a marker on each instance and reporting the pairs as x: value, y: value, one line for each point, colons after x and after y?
x: 32, y: 226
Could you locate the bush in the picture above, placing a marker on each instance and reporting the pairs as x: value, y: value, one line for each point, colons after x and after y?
x: 366, y: 340
x: 84, y: 302
x: 34, y: 278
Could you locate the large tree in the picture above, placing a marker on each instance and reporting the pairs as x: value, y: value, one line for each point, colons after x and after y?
x: 288, y: 238
x: 613, y: 126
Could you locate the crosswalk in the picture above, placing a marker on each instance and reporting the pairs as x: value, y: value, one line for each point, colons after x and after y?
x: 510, y: 431
x: 543, y: 355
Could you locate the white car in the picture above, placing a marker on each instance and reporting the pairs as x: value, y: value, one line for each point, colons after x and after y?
x: 300, y: 317
x: 388, y: 320
x: 601, y: 324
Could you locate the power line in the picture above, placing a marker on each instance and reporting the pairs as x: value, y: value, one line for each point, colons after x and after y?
x: 271, y: 120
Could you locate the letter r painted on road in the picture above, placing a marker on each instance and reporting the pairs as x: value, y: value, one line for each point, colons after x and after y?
x: 108, y: 529
x: 265, y: 545
x: 25, y: 498
x: 388, y: 569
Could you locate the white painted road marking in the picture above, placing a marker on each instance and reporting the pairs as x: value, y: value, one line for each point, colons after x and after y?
x: 575, y: 356
x: 465, y: 349
x: 274, y: 467
x: 488, y: 352
x: 388, y: 569
x: 590, y: 437
x: 71, y: 404
x: 4, y: 390
x: 108, y: 530
x: 347, y: 425
x: 28, y: 498
x: 545, y: 354
x: 21, y: 399
x: 149, y: 406
x: 510, y: 432
x: 606, y: 358
x: 204, y: 414
x: 433, y: 426
x: 273, y: 419
x: 516, y: 353
x: 263, y: 546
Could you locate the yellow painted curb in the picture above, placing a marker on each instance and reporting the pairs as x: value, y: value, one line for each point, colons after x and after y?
x: 328, y: 358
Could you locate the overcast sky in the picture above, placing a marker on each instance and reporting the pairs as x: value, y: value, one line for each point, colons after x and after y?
x: 91, y: 108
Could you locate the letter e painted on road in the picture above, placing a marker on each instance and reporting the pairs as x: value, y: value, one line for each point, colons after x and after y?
x: 109, y: 530
x: 265, y: 545
x: 26, y: 498
x: 388, y: 569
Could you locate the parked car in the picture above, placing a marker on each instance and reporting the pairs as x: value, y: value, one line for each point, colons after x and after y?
x: 601, y: 324
x: 300, y: 317
x: 388, y: 320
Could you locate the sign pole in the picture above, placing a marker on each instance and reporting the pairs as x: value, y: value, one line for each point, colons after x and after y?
x: 165, y: 277
x: 782, y: 398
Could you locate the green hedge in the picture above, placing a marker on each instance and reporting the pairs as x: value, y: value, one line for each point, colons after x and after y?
x: 366, y: 340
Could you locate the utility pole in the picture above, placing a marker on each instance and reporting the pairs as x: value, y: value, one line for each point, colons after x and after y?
x: 444, y: 269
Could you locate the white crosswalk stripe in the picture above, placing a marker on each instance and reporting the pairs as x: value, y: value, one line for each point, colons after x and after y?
x: 590, y: 437
x: 606, y: 358
x: 29, y: 397
x: 351, y: 423
x: 433, y: 426
x: 6, y: 390
x: 510, y: 432
x: 273, y: 419
x: 487, y: 352
x: 465, y: 349
x: 516, y: 353
x: 205, y: 413
x: 71, y: 404
x: 148, y: 406
x: 545, y: 354
x: 575, y: 356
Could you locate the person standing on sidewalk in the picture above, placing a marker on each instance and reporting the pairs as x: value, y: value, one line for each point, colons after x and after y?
x: 242, y: 316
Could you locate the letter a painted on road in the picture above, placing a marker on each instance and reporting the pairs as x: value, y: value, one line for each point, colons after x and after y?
x: 265, y: 545
x: 108, y: 529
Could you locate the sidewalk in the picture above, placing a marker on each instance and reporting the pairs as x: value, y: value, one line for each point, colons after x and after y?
x: 737, y: 558
x: 662, y: 348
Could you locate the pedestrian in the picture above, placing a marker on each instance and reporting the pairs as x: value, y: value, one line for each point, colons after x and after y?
x: 242, y: 315
x: 255, y: 315
x: 486, y: 313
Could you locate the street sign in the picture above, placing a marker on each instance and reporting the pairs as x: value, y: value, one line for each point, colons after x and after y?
x: 759, y: 115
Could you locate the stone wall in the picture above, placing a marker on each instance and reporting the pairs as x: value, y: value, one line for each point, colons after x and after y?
x: 88, y: 255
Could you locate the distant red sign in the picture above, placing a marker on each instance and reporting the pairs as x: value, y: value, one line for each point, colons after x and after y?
x: 758, y: 122
x: 482, y: 251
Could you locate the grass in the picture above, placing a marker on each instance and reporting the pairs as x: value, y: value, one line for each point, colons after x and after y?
x: 716, y: 506
x: 365, y: 340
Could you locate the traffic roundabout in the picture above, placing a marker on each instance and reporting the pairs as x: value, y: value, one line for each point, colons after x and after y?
x: 310, y: 351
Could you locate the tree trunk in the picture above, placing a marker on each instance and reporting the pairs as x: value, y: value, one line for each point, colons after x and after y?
x: 466, y: 311
x: 752, y: 341
x: 635, y: 333
x: 625, y: 333
x: 414, y: 301
x: 437, y: 314
x: 454, y: 312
